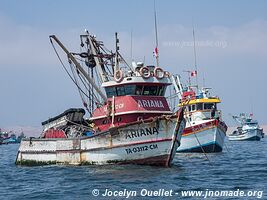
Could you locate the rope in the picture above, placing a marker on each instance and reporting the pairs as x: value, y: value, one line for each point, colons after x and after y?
x: 202, y: 149
x: 66, y: 68
x: 80, y: 90
x: 74, y: 79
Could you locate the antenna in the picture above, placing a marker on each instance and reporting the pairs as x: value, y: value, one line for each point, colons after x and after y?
x: 195, y: 54
x: 117, y: 53
x: 156, y: 34
x: 131, y: 45
x: 204, y: 81
x: 251, y: 105
x: 189, y: 74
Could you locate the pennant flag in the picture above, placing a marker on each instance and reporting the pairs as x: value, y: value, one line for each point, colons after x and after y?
x: 156, y: 52
x: 194, y: 73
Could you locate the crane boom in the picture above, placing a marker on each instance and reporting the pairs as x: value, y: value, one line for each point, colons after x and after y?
x: 79, y: 67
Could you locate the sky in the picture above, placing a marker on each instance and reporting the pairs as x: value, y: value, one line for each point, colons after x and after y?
x: 231, y: 46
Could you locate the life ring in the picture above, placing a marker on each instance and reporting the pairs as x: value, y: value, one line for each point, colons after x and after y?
x: 145, y: 72
x: 118, y: 76
x: 159, y: 73
x: 167, y: 74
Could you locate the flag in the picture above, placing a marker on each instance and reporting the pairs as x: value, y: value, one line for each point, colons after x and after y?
x: 156, y: 52
x: 251, y: 114
x: 194, y: 73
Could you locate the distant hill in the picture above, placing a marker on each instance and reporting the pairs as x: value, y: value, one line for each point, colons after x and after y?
x: 30, y: 131
x: 264, y: 129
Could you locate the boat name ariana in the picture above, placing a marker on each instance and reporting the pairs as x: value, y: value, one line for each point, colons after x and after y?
x: 131, y: 133
x: 150, y: 103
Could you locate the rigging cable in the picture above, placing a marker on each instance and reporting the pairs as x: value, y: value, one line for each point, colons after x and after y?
x: 79, y: 90
x: 63, y: 65
x: 202, y: 149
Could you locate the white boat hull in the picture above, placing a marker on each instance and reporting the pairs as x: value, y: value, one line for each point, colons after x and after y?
x: 151, y: 142
x: 208, y: 140
x: 253, y: 134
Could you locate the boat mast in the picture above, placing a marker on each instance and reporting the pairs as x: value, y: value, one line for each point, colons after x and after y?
x: 94, y: 46
x: 117, y: 61
x: 156, y: 34
x: 189, y: 76
x: 195, y: 56
x: 176, y: 80
x: 78, y: 66
x: 238, y: 119
x: 131, y: 46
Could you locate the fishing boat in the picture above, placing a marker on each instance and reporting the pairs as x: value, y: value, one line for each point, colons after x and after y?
x: 130, y: 121
x: 7, y: 137
x: 205, y: 130
x: 249, y: 129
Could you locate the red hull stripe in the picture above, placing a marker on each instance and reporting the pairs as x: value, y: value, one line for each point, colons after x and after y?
x: 197, y: 131
x: 205, y: 126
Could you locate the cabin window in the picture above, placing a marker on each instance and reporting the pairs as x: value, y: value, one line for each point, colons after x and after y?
x: 121, y: 91
x: 189, y: 108
x: 105, y: 121
x: 200, y: 106
x: 139, y: 90
x: 193, y: 107
x: 110, y: 91
x: 161, y: 90
x: 209, y: 106
x: 129, y: 89
x: 135, y: 90
x: 150, y: 90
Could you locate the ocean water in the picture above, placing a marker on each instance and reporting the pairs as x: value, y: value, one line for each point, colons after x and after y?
x: 242, y: 166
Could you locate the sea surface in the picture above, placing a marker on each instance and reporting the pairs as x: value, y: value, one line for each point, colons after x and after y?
x: 242, y: 166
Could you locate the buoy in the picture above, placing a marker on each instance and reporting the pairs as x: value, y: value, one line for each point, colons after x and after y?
x: 167, y: 74
x: 145, y: 72
x: 118, y: 76
x: 159, y: 73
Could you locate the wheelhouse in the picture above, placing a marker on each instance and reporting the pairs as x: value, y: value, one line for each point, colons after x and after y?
x: 136, y: 89
x: 134, y: 98
x: 201, y: 107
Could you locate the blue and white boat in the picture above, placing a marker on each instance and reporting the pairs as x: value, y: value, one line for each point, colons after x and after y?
x: 249, y: 129
x: 7, y: 137
x: 205, y: 129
